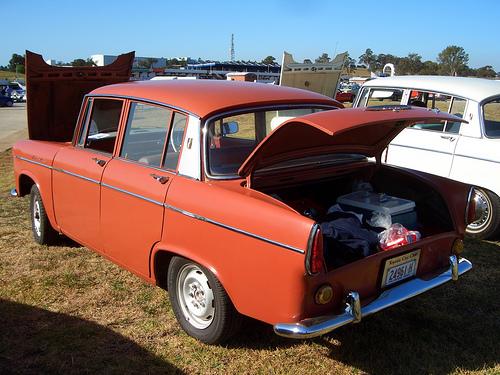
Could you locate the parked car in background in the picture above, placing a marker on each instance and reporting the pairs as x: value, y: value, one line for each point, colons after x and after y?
x: 222, y: 193
x: 345, y: 96
x: 18, y: 96
x: 6, y: 101
x: 467, y: 152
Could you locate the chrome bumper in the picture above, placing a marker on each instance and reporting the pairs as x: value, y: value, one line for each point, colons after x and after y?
x: 354, y: 312
x: 13, y: 192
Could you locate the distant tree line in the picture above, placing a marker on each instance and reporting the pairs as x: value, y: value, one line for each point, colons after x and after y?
x: 453, y: 60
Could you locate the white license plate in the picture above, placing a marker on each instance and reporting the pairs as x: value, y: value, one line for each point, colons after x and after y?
x: 400, y: 268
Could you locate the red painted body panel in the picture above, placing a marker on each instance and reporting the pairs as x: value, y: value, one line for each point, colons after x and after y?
x: 255, y: 244
x: 198, y: 97
x: 37, y: 152
x: 258, y: 276
x: 77, y: 200
x: 361, y: 130
x: 55, y: 93
x: 130, y: 226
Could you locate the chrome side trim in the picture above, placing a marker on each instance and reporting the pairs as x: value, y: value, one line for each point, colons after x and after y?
x: 187, y: 213
x: 477, y: 158
x: 13, y: 192
x: 132, y: 194
x: 421, y: 148
x: 313, y: 327
x: 34, y: 162
x: 231, y: 228
x: 76, y: 175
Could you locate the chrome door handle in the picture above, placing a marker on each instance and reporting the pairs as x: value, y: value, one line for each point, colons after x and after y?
x: 160, y: 179
x: 448, y: 137
x: 99, y: 162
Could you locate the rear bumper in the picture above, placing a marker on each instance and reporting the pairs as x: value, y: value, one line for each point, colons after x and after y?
x: 353, y: 312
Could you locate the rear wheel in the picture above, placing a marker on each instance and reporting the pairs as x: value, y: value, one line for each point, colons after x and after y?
x: 488, y: 224
x: 43, y: 233
x: 200, y: 303
x: 10, y: 103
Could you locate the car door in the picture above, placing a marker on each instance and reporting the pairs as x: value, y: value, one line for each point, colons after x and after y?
x: 135, y: 184
x: 78, y: 171
x: 429, y: 147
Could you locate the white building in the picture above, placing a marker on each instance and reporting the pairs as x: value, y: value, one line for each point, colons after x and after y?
x: 101, y: 60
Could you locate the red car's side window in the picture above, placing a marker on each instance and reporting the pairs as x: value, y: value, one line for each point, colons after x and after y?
x: 101, y: 129
x: 144, y: 139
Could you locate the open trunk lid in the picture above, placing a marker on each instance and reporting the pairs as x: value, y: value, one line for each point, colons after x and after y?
x: 365, y: 131
x: 55, y: 93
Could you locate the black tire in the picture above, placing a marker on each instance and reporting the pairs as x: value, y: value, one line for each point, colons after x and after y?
x: 225, y: 321
x: 10, y: 103
x: 489, y: 226
x: 43, y: 233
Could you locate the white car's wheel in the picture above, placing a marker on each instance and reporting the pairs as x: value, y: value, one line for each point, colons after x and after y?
x: 488, y: 223
x: 200, y: 303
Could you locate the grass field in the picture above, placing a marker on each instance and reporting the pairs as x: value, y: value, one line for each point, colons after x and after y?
x: 66, y: 310
x: 10, y: 75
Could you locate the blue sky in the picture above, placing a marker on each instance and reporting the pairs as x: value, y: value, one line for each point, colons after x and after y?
x: 65, y: 30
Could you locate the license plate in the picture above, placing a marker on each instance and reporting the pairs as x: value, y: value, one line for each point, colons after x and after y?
x: 400, y: 268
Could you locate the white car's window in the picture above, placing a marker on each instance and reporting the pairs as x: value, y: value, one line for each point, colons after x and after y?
x: 145, y: 134
x: 458, y: 109
x: 374, y: 97
x: 491, y: 115
x: 441, y: 102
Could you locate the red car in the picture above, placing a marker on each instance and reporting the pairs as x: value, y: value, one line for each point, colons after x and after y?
x: 226, y: 194
x: 345, y: 96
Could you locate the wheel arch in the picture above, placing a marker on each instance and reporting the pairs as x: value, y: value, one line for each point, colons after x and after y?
x: 25, y: 181
x: 160, y: 260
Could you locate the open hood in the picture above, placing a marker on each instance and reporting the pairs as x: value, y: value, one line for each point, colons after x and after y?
x: 55, y: 93
x: 366, y: 131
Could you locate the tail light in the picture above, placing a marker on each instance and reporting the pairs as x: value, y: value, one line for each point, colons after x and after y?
x: 315, y: 261
x: 476, y: 206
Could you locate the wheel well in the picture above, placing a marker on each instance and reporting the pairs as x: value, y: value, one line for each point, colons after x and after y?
x: 25, y: 184
x: 161, y: 263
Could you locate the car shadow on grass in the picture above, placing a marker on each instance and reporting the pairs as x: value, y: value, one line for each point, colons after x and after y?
x: 37, y: 341
x: 455, y: 326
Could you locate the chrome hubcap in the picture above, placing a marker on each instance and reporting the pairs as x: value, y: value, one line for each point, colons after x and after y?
x: 36, y: 218
x: 483, y: 208
x: 195, y: 296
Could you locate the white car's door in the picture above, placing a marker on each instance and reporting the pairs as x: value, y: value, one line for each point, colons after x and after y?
x: 429, y: 147
x: 423, y: 149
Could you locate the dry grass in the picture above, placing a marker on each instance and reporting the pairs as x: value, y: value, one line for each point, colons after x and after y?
x: 67, y: 310
x: 10, y: 75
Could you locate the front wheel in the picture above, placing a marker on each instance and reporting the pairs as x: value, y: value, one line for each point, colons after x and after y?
x: 43, y: 233
x: 488, y: 224
x: 200, y: 303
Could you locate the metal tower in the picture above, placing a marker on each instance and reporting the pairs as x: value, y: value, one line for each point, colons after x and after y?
x: 232, y: 48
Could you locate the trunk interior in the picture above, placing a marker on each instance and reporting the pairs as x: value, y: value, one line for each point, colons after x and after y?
x: 313, y: 193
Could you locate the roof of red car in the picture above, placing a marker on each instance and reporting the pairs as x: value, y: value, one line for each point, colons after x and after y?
x: 205, y: 97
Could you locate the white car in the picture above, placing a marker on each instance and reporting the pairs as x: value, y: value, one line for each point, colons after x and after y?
x: 467, y: 152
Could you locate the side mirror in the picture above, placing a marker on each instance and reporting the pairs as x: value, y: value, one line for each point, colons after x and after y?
x: 230, y: 127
